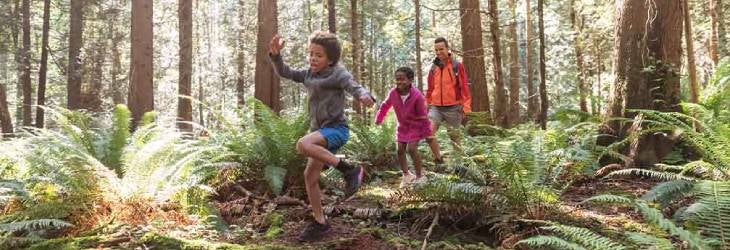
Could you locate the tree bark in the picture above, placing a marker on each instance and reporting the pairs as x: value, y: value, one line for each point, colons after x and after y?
x: 514, y: 69
x: 722, y: 45
x: 543, y: 80
x: 692, y: 67
x: 419, y: 67
x: 117, y: 87
x: 25, y: 77
x: 500, y: 103
x: 532, y: 98
x: 267, y: 82
x: 42, y: 72
x: 240, y: 57
x: 15, y: 29
x: 355, y: 39
x: 141, y: 89
x: 6, y: 122
x: 658, y: 50
x: 713, y: 32
x: 185, y: 36
x: 331, y: 16
x: 75, y: 41
x: 473, y: 54
x: 578, y: 48
x: 91, y: 91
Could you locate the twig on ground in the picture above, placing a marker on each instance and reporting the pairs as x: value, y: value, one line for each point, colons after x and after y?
x: 430, y: 230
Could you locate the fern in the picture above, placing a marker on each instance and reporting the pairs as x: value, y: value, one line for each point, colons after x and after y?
x: 669, y: 191
x: 585, y: 237
x: 118, y: 138
x: 33, y: 225
x: 712, y: 210
x: 550, y: 241
x: 649, y: 241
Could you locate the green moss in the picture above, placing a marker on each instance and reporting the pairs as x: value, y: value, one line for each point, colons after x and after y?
x: 68, y: 243
x: 275, y: 222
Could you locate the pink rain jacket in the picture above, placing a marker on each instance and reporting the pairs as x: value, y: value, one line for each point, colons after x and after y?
x: 410, y: 129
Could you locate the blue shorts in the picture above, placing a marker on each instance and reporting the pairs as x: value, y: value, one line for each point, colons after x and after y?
x: 336, y: 136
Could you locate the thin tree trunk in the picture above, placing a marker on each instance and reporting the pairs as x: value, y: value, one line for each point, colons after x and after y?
x: 721, y: 32
x: 692, y: 68
x: 500, y: 104
x: 25, y: 78
x: 578, y: 47
x: 75, y: 41
x: 713, y: 32
x: 6, y: 122
x: 91, y: 94
x: 331, y: 16
x: 185, y: 36
x: 117, y: 87
x: 532, y: 109
x: 41, y: 101
x: 419, y: 67
x: 267, y: 82
x: 240, y: 57
x: 355, y: 39
x: 15, y: 29
x: 514, y: 69
x: 141, y: 89
x: 543, y: 80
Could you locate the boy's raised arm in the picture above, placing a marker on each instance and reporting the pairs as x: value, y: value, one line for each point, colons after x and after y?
x: 284, y: 70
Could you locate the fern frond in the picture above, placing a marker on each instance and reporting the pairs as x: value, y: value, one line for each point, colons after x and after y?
x: 711, y: 211
x: 666, y: 176
x: 550, y: 241
x: 668, y: 191
x: 647, y: 241
x: 585, y: 237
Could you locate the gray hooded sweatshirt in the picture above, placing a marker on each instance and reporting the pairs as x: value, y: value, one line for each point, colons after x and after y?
x: 326, y: 91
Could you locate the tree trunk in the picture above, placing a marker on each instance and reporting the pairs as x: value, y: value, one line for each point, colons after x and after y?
x: 532, y: 109
x: 91, y: 91
x: 692, y: 68
x: 185, y: 36
x: 25, y: 77
x: 6, y: 122
x: 240, y: 59
x: 473, y: 54
x: 267, y: 82
x: 331, y: 16
x: 658, y: 49
x: 73, y: 72
x: 42, y: 72
x: 713, y: 32
x: 500, y: 104
x: 578, y: 47
x: 514, y: 69
x: 722, y: 45
x: 355, y: 39
x: 117, y: 87
x: 15, y: 29
x: 141, y: 89
x: 543, y: 80
x: 419, y: 67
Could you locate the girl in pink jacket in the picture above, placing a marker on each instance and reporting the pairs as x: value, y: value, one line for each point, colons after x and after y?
x: 413, y: 124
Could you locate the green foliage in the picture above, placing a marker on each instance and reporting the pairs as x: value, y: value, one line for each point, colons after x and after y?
x: 118, y: 139
x: 711, y: 211
x: 569, y: 237
x: 650, y: 241
x: 373, y: 144
x: 550, y: 241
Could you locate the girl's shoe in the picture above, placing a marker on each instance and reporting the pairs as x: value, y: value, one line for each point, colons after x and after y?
x: 406, y: 180
x: 419, y: 180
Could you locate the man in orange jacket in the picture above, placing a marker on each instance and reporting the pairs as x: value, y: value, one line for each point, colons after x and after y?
x: 448, y: 96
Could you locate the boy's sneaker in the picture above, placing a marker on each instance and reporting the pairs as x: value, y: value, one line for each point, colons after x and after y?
x: 406, y: 180
x: 353, y: 179
x: 314, y: 231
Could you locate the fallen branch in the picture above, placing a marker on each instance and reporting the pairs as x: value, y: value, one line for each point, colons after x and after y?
x: 430, y: 230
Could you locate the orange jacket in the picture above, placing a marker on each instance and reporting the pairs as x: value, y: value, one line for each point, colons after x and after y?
x: 444, y: 89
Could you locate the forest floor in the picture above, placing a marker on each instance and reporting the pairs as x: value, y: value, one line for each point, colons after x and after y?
x: 370, y: 220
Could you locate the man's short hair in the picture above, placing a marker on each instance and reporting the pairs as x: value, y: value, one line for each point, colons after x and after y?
x: 441, y: 40
x: 330, y: 44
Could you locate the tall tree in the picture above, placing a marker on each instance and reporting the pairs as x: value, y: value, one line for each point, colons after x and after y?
x: 267, y: 82
x: 15, y: 30
x: 659, y: 28
x: 115, y: 36
x: 692, y: 68
x: 722, y: 44
x: 331, y: 16
x: 185, y: 36
x: 532, y: 109
x: 355, y: 39
x: 25, y: 77
x: 578, y: 47
x: 42, y: 72
x: 543, y: 86
x: 713, y: 31
x: 6, y: 122
x: 91, y: 88
x: 141, y: 90
x: 514, y: 68
x: 73, y: 72
x: 240, y: 57
x: 419, y: 67
x: 500, y: 104
x: 471, y: 31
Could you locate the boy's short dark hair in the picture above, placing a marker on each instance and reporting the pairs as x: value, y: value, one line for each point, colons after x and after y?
x: 441, y: 40
x: 330, y: 43
x: 406, y: 70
